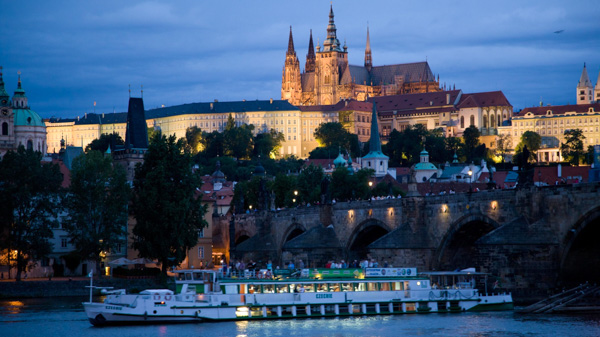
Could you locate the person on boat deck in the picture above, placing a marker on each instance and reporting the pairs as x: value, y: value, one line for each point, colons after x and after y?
x: 270, y: 265
x: 291, y: 265
x: 300, y: 264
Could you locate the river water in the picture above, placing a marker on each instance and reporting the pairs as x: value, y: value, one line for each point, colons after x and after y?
x: 65, y: 317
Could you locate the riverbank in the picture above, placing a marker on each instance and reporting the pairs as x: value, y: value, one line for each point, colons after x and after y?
x: 64, y: 287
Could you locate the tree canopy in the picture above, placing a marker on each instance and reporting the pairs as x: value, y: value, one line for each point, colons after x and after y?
x: 237, y: 140
x: 97, y: 206
x: 572, y: 149
x: 168, y: 212
x: 101, y: 144
x: 532, y: 140
x: 29, y: 205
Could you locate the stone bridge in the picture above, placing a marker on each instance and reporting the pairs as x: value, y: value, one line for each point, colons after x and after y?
x: 533, y: 239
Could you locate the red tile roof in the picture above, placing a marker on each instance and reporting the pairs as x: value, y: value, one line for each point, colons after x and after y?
x: 559, y: 109
x: 483, y: 99
x: 414, y: 101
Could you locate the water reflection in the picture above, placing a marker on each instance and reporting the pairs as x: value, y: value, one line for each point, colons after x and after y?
x: 14, y: 307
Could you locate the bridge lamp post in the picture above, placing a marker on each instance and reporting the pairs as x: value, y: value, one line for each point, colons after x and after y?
x: 470, y: 180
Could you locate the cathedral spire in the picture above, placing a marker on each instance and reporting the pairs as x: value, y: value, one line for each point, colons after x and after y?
x: 368, y: 57
x: 291, y: 49
x: 331, y: 43
x: 310, y: 57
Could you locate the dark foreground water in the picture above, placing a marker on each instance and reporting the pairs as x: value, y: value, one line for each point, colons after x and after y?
x: 65, y: 317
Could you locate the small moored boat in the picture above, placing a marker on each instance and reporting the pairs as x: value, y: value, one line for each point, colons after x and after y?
x: 203, y: 295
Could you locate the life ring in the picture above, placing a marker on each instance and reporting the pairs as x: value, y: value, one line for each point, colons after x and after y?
x: 259, y: 275
x: 156, y: 297
x: 268, y: 274
x: 167, y: 297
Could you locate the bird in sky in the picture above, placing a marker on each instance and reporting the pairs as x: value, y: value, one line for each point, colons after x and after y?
x: 559, y: 31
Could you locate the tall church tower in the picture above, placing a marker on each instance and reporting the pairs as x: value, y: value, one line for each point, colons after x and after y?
x: 310, y: 57
x: 291, y: 89
x: 368, y: 57
x: 584, y: 88
x: 375, y: 159
x: 331, y: 63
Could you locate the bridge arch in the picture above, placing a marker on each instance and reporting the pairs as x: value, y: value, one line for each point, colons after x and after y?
x: 580, y: 256
x: 457, y: 247
x: 363, y: 235
x: 291, y: 232
x: 241, y: 236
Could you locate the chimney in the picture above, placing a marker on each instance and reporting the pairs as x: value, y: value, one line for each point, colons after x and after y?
x: 271, y: 101
x: 211, y: 106
x: 447, y: 98
x: 85, y: 116
x: 216, y: 100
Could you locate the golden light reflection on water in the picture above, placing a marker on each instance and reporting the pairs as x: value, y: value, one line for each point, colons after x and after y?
x: 14, y: 307
x: 242, y: 328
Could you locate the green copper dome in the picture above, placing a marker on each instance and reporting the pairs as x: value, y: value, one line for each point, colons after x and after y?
x: 27, y: 117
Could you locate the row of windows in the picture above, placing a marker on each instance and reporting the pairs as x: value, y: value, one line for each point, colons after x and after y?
x: 580, y: 121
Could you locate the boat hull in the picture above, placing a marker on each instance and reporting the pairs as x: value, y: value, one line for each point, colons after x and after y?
x: 146, y: 311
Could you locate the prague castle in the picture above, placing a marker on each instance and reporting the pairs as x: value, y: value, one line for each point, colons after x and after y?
x: 329, y: 78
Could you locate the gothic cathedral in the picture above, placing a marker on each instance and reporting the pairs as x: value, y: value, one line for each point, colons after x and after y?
x: 328, y: 78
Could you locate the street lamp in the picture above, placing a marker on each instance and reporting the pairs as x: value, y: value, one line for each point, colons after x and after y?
x: 370, y: 184
x: 470, y: 180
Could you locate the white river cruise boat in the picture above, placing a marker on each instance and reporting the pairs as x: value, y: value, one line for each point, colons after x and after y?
x: 202, y: 295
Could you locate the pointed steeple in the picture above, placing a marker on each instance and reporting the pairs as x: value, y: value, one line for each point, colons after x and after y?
x: 291, y: 49
x: 331, y: 43
x: 375, y: 159
x: 19, y: 99
x: 310, y: 57
x: 584, y: 88
x: 584, y: 80
x: 375, y: 141
x: 368, y: 56
x: 4, y: 97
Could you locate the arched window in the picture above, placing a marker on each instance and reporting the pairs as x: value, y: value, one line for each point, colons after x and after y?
x: 472, y: 120
x: 5, y: 129
x: 29, y: 144
x: 485, y: 124
x: 499, y: 120
x: 492, y: 121
x: 462, y: 122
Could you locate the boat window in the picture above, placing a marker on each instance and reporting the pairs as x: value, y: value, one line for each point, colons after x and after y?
x: 268, y: 288
x: 309, y: 288
x: 359, y: 287
x: 254, y: 289
x: 198, y: 276
x: 385, y: 286
x: 180, y: 276
x: 398, y: 286
x: 347, y: 287
x: 322, y: 287
x: 335, y: 287
x: 282, y: 288
x: 188, y: 276
x: 294, y: 288
x: 372, y: 286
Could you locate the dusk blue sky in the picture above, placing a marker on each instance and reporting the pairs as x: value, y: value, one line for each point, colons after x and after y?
x: 72, y: 53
